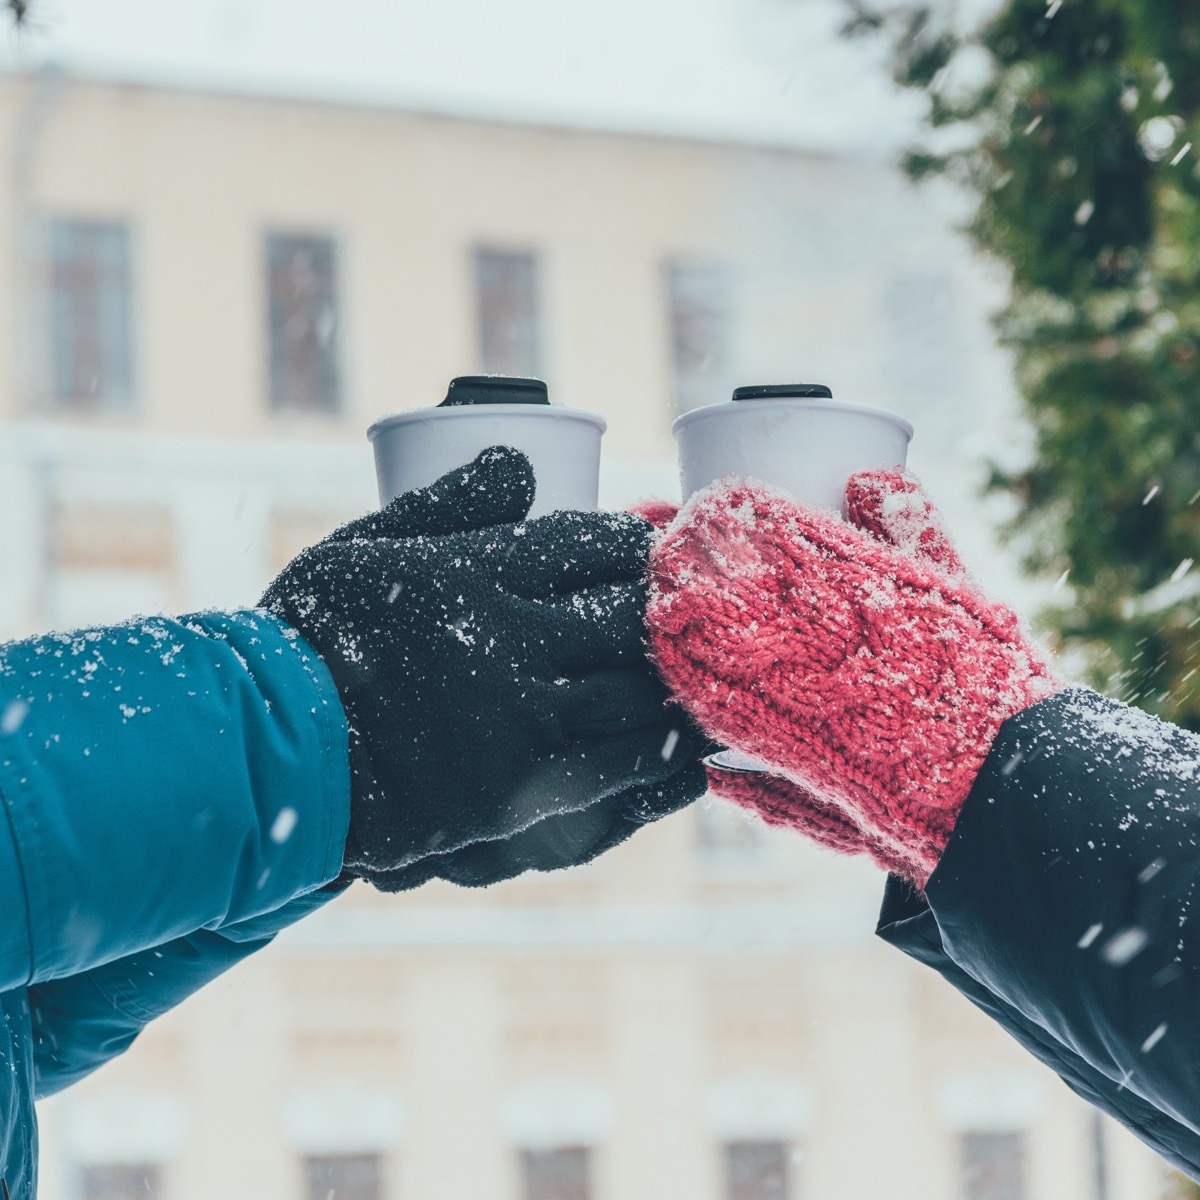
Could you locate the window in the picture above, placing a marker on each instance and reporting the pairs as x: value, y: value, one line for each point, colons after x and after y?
x: 344, y: 1177
x: 993, y: 1166
x: 699, y: 310
x: 302, y: 319
x: 90, y: 315
x: 124, y: 1182
x: 506, y: 303
x: 560, y: 1174
x: 756, y: 1170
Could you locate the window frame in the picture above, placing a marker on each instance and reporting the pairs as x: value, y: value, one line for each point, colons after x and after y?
x: 577, y: 1153
x: 526, y: 361
x: 112, y: 293
x: 330, y: 370
x: 970, y: 1186
x: 735, y: 1188
x: 315, y: 1189
x: 137, y: 1174
x: 694, y: 385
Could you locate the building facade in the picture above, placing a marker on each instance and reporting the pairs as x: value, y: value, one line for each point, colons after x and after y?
x: 204, y: 301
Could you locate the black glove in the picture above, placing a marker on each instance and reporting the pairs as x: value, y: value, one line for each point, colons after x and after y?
x: 560, y: 840
x: 494, y: 678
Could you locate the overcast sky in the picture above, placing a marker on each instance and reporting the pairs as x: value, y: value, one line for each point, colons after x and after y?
x: 763, y: 70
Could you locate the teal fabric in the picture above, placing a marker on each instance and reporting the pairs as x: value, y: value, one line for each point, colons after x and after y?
x: 80, y: 1022
x: 174, y: 791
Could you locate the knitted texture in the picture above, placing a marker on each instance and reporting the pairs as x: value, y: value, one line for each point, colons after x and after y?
x: 773, y: 799
x: 858, y: 660
x: 660, y: 513
x: 782, y: 803
x: 778, y: 801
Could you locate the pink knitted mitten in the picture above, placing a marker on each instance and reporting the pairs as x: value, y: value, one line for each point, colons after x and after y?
x: 771, y: 798
x: 856, y: 660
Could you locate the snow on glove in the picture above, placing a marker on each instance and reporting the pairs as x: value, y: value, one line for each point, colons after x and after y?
x: 857, y: 660
x: 493, y: 677
x: 569, y: 839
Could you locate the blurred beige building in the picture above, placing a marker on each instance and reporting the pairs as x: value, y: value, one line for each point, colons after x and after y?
x: 204, y: 300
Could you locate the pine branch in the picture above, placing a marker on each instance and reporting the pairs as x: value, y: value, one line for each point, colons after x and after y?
x: 1075, y: 150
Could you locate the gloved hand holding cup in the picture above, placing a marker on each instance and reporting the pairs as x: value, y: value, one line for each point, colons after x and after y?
x: 504, y: 715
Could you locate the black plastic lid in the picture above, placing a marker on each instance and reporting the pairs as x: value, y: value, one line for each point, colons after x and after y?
x: 775, y: 391
x: 494, y: 389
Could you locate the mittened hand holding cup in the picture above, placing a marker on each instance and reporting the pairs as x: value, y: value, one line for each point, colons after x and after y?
x: 773, y: 799
x: 796, y: 437
x: 856, y: 659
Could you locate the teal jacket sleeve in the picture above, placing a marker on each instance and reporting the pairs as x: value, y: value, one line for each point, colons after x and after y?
x: 81, y: 1022
x: 160, y: 780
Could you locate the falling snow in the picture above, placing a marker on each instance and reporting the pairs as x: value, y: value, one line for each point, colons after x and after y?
x: 283, y: 825
x: 1154, y: 1038
x: 1148, y: 872
x: 1125, y: 946
x: 13, y: 717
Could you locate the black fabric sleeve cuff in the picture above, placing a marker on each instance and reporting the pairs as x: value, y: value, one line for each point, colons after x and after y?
x: 907, y: 922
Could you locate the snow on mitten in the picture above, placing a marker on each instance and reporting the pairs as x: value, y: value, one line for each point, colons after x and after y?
x: 775, y: 800
x: 857, y: 660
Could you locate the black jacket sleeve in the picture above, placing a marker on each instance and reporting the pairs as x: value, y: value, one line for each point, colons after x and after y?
x: 1062, y: 907
x: 908, y: 923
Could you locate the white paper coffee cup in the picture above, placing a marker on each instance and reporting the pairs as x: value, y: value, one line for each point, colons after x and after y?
x: 797, y: 438
x: 807, y: 445
x: 413, y: 449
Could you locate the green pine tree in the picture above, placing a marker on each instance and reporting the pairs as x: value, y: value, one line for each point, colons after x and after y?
x: 1072, y: 124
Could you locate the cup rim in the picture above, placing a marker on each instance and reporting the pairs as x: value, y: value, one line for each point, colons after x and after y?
x: 467, y: 412
x: 791, y: 404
